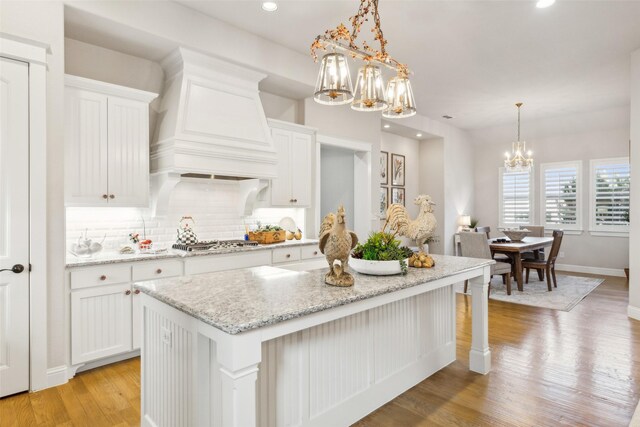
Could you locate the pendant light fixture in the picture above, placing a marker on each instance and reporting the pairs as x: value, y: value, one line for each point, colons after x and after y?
x: 333, y: 86
x: 399, y: 98
x: 370, y: 95
x: 369, y: 90
x: 516, y: 160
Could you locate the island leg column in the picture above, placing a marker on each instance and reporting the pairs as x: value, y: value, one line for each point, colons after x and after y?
x: 480, y: 355
x: 239, y: 357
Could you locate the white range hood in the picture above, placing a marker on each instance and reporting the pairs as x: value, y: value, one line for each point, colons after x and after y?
x: 211, y: 123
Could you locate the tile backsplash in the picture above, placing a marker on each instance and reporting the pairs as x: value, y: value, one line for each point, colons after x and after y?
x: 213, y: 205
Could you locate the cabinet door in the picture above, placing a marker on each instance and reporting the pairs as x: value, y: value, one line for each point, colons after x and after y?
x: 100, y: 322
x: 85, y: 148
x: 128, y: 152
x: 281, y: 186
x: 301, y: 169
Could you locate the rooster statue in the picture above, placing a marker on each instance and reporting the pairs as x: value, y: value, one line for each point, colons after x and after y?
x: 419, y: 229
x: 336, y: 243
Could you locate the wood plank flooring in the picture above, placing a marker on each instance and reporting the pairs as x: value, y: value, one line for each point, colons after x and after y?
x: 550, y: 368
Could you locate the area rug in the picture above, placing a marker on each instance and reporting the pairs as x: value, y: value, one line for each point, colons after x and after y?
x: 570, y: 291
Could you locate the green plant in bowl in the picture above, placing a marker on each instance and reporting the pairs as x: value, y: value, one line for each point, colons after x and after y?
x: 381, y: 246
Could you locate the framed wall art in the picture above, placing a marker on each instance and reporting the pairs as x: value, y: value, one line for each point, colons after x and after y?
x: 398, y: 195
x: 384, y: 168
x: 397, y: 170
x: 384, y: 202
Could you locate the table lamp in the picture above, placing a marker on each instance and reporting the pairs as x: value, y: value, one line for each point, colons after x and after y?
x: 465, y: 222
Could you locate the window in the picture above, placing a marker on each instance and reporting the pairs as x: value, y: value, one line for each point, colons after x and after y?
x: 560, y: 193
x: 609, y: 204
x: 516, y: 202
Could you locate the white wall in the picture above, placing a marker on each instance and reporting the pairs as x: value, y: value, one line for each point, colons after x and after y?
x: 282, y: 108
x: 44, y: 21
x: 432, y: 182
x: 572, y: 143
x: 634, y: 243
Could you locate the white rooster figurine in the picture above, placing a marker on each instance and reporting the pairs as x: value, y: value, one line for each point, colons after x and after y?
x: 336, y: 243
x: 419, y: 229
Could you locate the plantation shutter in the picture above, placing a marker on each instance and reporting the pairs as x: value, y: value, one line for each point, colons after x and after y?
x: 610, y: 203
x: 516, y: 198
x: 561, y: 200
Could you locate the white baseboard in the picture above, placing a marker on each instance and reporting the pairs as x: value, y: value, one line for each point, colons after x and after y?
x: 73, y: 370
x: 616, y: 272
x: 57, y: 376
x: 633, y: 312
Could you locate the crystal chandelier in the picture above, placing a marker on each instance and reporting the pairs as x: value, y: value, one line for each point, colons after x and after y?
x: 333, y: 86
x: 516, y: 160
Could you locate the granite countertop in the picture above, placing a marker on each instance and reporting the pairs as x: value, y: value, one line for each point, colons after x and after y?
x: 239, y: 300
x: 116, y: 257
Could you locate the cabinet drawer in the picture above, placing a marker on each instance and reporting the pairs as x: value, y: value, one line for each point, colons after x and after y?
x: 101, y: 275
x: 157, y: 270
x: 285, y: 255
x: 310, y: 252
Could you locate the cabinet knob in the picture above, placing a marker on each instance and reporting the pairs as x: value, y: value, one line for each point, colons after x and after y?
x: 290, y: 200
x: 104, y: 196
x: 137, y: 291
x: 103, y: 277
x: 295, y: 200
x: 127, y: 292
x: 288, y: 255
x: 315, y: 252
x: 159, y: 271
x: 111, y: 196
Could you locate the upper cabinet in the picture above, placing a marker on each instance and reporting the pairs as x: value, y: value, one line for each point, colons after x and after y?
x: 106, y: 144
x: 294, y: 146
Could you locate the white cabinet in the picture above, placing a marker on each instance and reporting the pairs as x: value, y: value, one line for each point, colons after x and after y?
x: 294, y: 146
x: 106, y: 144
x: 100, y: 322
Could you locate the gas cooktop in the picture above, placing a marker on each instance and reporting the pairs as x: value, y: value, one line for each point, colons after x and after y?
x: 212, y: 245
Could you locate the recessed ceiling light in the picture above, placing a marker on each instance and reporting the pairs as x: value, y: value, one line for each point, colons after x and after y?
x: 269, y: 6
x: 419, y: 135
x: 541, y: 4
x: 386, y: 126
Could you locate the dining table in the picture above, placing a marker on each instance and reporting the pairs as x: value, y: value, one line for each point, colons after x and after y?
x: 515, y: 249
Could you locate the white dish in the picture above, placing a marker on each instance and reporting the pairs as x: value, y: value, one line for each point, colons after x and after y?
x: 376, y: 268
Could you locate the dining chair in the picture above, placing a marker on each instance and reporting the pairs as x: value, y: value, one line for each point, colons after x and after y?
x: 550, y: 264
x: 536, y: 231
x: 499, y: 257
x: 476, y: 245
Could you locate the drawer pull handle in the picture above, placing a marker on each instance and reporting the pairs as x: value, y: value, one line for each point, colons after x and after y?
x: 111, y: 196
x: 103, y: 277
x: 137, y: 291
x: 104, y: 196
x: 288, y: 255
x: 127, y: 292
x: 159, y: 271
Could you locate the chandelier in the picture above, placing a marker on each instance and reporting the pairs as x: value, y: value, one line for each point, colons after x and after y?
x: 333, y: 86
x: 516, y: 160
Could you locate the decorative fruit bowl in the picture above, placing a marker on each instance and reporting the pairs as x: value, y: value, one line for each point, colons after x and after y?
x: 376, y: 268
x: 516, y: 235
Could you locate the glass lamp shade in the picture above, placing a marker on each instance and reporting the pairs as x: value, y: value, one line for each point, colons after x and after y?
x: 333, y: 86
x: 369, y: 90
x: 400, y: 99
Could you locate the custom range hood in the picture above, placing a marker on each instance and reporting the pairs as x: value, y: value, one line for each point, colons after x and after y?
x: 210, y: 124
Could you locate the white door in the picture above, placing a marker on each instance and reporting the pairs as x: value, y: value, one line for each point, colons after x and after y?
x: 301, y: 170
x: 128, y: 164
x: 14, y: 227
x: 281, y: 186
x: 85, y: 136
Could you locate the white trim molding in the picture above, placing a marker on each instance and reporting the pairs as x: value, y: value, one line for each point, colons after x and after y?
x: 57, y: 376
x: 602, y: 271
x: 633, y: 312
x: 35, y: 54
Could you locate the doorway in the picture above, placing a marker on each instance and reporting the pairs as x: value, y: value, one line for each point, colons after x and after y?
x: 336, y: 181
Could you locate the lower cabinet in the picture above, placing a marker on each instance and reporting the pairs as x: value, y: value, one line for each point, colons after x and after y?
x: 100, y: 322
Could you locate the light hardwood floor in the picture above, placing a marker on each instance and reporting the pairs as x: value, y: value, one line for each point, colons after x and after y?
x: 550, y: 368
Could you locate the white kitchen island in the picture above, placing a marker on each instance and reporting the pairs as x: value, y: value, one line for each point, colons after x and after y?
x: 272, y: 347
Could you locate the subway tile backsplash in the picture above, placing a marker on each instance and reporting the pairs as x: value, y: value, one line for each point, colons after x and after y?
x: 213, y: 205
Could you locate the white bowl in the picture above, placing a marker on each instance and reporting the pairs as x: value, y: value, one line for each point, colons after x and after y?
x: 376, y: 268
x: 516, y: 235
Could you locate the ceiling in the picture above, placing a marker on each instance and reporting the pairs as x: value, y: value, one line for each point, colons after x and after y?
x: 474, y: 59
